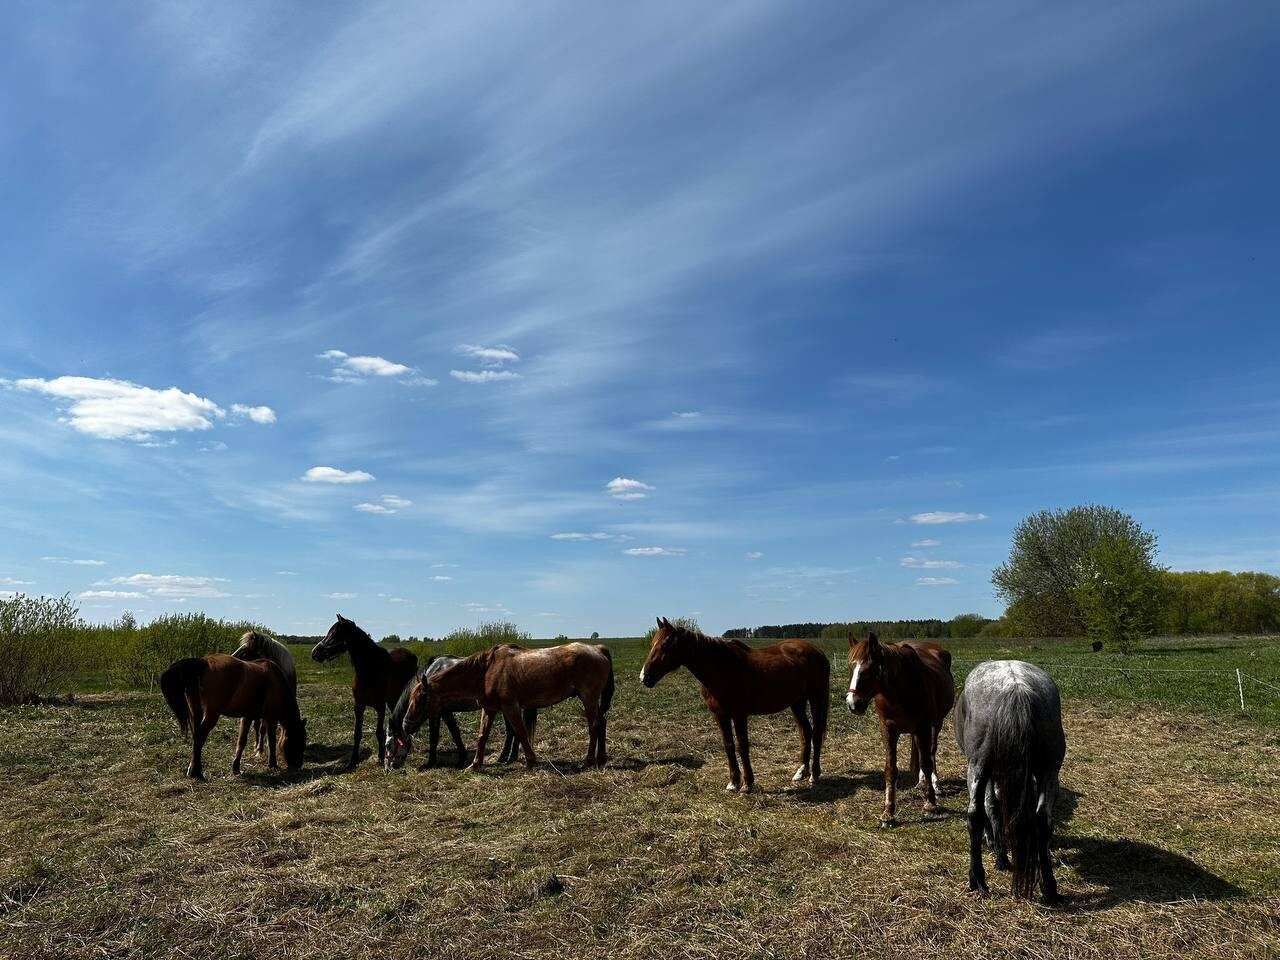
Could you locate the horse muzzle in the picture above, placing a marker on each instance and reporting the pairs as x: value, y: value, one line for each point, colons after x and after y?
x: 855, y: 704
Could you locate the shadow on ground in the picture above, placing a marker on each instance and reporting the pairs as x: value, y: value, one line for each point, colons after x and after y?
x: 1131, y: 871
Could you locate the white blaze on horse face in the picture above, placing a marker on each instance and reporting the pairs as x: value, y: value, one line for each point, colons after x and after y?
x: 853, y: 684
x: 642, y: 674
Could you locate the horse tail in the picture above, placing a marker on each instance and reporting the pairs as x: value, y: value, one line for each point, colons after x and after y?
x: 606, y: 698
x: 1015, y: 738
x: 176, y: 683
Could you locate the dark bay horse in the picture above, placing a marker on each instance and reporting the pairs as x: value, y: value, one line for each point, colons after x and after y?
x: 1009, y: 726
x: 912, y: 688
x: 738, y: 681
x: 381, y: 675
x: 201, y: 689
x: 400, y: 736
x: 509, y: 680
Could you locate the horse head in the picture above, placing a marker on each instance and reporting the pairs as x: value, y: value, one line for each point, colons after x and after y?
x: 293, y: 743
x: 337, y: 641
x: 866, y: 658
x: 664, y: 653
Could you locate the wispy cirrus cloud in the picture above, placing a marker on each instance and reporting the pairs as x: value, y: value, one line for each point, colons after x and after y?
x: 385, y: 505
x: 582, y: 537
x: 925, y: 563
x: 336, y: 476
x: 934, y: 517
x: 483, y: 376
x: 490, y: 356
x: 110, y: 595
x: 926, y: 542
x: 120, y: 410
x: 655, y: 551
x: 936, y: 581
x: 170, y: 586
x: 75, y: 562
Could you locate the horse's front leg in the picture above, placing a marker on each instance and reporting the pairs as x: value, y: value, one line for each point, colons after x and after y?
x: 356, y: 735
x: 592, y: 715
x: 730, y: 751
x: 259, y: 739
x: 199, y: 734
x: 382, y: 734
x: 486, y: 724
x: 890, y: 775
x: 433, y: 728
x: 242, y: 739
x: 744, y: 748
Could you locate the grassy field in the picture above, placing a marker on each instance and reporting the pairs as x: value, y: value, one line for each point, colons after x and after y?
x: 1168, y: 843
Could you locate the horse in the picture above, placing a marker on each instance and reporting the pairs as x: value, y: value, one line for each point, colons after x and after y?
x: 400, y: 737
x: 258, y: 646
x: 507, y: 679
x: 199, y: 690
x: 912, y: 688
x: 381, y: 675
x: 739, y: 682
x: 1009, y: 726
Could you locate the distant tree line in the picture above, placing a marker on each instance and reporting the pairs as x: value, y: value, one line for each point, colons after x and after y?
x: 963, y: 626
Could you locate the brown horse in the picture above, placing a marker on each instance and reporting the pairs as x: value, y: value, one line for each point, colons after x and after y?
x: 380, y: 676
x: 511, y: 680
x: 201, y: 689
x: 911, y: 686
x: 738, y: 681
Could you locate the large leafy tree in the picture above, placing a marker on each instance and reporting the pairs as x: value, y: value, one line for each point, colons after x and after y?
x: 1087, y: 570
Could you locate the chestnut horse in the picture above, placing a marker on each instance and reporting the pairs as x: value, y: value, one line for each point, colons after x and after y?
x: 400, y: 737
x: 380, y: 676
x: 201, y: 689
x: 510, y: 680
x: 738, y: 682
x: 911, y: 686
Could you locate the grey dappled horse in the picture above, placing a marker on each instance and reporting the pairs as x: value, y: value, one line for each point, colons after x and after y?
x: 1009, y: 726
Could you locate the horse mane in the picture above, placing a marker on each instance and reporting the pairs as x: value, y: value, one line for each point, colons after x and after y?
x: 700, y: 639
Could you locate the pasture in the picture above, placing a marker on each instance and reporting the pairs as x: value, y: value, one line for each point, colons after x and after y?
x: 1168, y: 842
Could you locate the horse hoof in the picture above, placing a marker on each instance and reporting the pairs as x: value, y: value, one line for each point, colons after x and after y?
x: 932, y: 809
x: 887, y: 823
x: 979, y: 890
x: 732, y: 787
x: 801, y: 774
x: 813, y: 780
x: 473, y: 768
x: 748, y: 787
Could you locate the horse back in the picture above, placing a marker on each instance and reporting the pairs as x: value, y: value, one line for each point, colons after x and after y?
x: 244, y: 688
x: 547, y: 675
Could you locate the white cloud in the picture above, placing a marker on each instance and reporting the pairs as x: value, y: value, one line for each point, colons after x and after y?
x: 922, y: 563
x: 754, y: 554
x: 78, y: 563
x: 655, y: 551
x: 286, y: 573
x: 349, y: 369
x: 926, y: 542
x: 579, y: 537
x: 256, y: 414
x: 490, y: 356
x: 171, y: 586
x: 387, y: 504
x: 110, y: 595
x: 943, y: 516
x: 483, y: 376
x: 10, y: 582
x: 120, y: 410
x: 441, y: 578
x: 624, y: 488
x: 936, y: 581
x: 340, y: 596
x: 334, y: 475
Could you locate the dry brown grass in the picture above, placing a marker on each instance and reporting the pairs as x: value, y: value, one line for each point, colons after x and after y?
x: 1168, y: 845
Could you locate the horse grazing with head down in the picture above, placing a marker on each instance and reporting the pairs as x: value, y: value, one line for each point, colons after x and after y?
x: 738, y: 681
x: 380, y: 676
x: 199, y: 690
x: 911, y: 686
x: 258, y: 646
x: 400, y: 736
x: 509, y: 680
x: 1009, y: 726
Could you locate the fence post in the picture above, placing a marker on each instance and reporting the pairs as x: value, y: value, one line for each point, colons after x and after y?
x: 1240, y: 687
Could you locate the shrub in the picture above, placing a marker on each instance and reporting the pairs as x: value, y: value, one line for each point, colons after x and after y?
x: 38, y: 646
x: 687, y: 622
x: 149, y: 650
x: 595, y: 635
x: 465, y: 641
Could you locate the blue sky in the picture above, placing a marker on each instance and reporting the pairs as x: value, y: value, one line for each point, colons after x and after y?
x: 578, y: 315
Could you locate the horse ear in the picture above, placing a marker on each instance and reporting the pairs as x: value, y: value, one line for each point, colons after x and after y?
x: 873, y: 640
x: 659, y: 621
